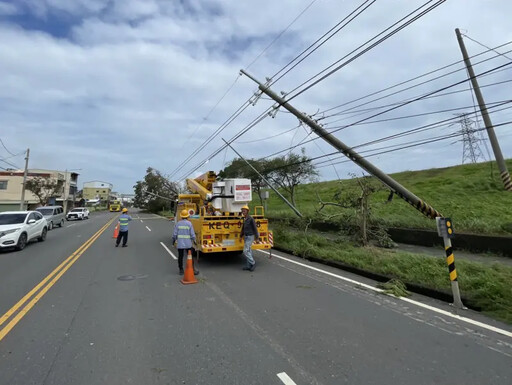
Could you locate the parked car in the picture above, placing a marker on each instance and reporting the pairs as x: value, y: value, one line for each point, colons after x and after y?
x: 17, y: 228
x: 54, y: 215
x: 78, y: 213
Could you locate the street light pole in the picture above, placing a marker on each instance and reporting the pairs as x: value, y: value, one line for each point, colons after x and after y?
x: 22, y: 201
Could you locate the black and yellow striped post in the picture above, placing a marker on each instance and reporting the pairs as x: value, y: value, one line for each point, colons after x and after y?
x: 445, y: 229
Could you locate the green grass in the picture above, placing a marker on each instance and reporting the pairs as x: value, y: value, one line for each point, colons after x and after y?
x: 468, y: 194
x: 166, y: 213
x: 485, y: 286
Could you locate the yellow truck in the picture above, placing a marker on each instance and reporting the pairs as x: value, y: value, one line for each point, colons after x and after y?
x: 115, y: 205
x: 215, y: 212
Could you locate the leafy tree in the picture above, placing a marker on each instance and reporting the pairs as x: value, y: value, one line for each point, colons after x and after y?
x: 44, y: 188
x: 155, y: 191
x: 238, y: 168
x: 291, y: 170
x: 354, y: 202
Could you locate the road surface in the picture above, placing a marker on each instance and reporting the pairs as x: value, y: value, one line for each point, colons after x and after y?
x: 77, y: 310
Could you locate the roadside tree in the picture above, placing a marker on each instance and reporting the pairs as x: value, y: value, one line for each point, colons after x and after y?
x: 155, y: 192
x: 290, y: 171
x: 44, y: 188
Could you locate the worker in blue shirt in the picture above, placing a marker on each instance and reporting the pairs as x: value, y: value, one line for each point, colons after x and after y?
x: 185, y: 235
x: 124, y: 218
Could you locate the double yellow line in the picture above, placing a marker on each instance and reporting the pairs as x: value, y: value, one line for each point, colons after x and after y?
x: 45, y: 285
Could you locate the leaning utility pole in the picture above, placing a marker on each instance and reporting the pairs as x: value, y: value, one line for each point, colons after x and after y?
x: 505, y: 176
x: 22, y: 202
x: 400, y: 190
x: 266, y: 181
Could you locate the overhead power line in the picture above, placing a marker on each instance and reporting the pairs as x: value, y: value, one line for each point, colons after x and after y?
x: 328, y: 35
x: 365, y: 50
x: 229, y: 120
x: 396, y: 107
x: 413, y: 79
x: 6, y: 149
x: 442, y: 123
x: 483, y: 45
x: 428, y: 141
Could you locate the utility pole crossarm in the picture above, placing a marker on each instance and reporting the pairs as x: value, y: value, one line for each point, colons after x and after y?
x: 400, y: 190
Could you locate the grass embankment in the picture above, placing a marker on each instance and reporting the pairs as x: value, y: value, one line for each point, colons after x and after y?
x: 476, y: 202
x: 166, y: 213
x: 485, y: 286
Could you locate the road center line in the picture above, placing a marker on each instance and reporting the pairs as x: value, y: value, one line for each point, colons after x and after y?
x: 148, y: 228
x: 71, y: 225
x: 408, y: 300
x: 169, y: 251
x: 56, y: 273
x: 285, y: 378
x: 141, y: 221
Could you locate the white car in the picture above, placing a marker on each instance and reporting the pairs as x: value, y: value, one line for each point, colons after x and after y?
x: 17, y: 228
x: 78, y: 213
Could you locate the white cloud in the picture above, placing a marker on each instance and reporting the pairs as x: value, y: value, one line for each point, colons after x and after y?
x: 134, y: 79
x: 8, y: 9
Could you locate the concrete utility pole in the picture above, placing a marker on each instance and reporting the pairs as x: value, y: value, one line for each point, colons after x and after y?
x: 22, y: 202
x: 505, y: 176
x: 400, y: 190
x: 267, y: 182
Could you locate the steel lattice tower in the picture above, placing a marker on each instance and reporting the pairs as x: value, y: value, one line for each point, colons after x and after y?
x: 471, y: 151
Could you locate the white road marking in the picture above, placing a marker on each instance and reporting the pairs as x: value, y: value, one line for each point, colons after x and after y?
x: 148, y: 228
x: 169, y: 251
x: 71, y: 225
x: 408, y: 300
x: 285, y: 378
x: 141, y: 221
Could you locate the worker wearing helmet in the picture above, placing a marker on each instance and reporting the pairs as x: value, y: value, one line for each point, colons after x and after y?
x: 185, y: 235
x: 124, y: 218
x: 249, y: 233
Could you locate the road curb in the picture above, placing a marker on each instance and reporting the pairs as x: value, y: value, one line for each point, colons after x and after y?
x: 441, y: 295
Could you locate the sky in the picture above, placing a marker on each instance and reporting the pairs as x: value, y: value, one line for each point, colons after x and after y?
x: 110, y: 87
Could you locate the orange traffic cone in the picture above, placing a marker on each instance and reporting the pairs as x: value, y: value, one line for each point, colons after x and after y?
x: 116, y: 231
x: 189, y: 277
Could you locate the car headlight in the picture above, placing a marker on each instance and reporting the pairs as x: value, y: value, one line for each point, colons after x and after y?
x: 5, y: 232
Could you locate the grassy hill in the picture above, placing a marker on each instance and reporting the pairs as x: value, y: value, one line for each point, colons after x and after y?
x: 469, y: 194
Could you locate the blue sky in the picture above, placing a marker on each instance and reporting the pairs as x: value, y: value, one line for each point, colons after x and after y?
x: 114, y: 86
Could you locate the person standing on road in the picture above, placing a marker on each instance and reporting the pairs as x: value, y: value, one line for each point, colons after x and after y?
x: 124, y: 218
x: 249, y: 233
x: 185, y: 235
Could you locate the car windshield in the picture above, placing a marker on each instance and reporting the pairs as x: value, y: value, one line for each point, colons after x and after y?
x: 76, y: 210
x: 12, y: 219
x: 45, y: 211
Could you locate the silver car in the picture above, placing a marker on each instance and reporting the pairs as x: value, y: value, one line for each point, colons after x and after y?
x: 54, y: 215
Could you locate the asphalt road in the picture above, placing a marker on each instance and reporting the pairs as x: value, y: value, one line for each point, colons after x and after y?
x: 121, y: 316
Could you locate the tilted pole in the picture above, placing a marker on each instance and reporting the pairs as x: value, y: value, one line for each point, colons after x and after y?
x: 505, y: 176
x: 400, y: 190
x: 267, y: 182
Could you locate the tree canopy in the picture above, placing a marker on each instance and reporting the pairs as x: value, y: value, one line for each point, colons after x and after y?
x: 155, y: 191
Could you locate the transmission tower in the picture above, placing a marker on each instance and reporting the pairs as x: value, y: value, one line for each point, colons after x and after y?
x: 471, y: 151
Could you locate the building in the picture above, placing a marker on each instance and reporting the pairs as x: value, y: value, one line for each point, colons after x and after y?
x: 11, y: 184
x: 127, y: 199
x: 96, y: 189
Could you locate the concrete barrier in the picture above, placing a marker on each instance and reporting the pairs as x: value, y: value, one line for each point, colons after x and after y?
x: 462, y: 241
